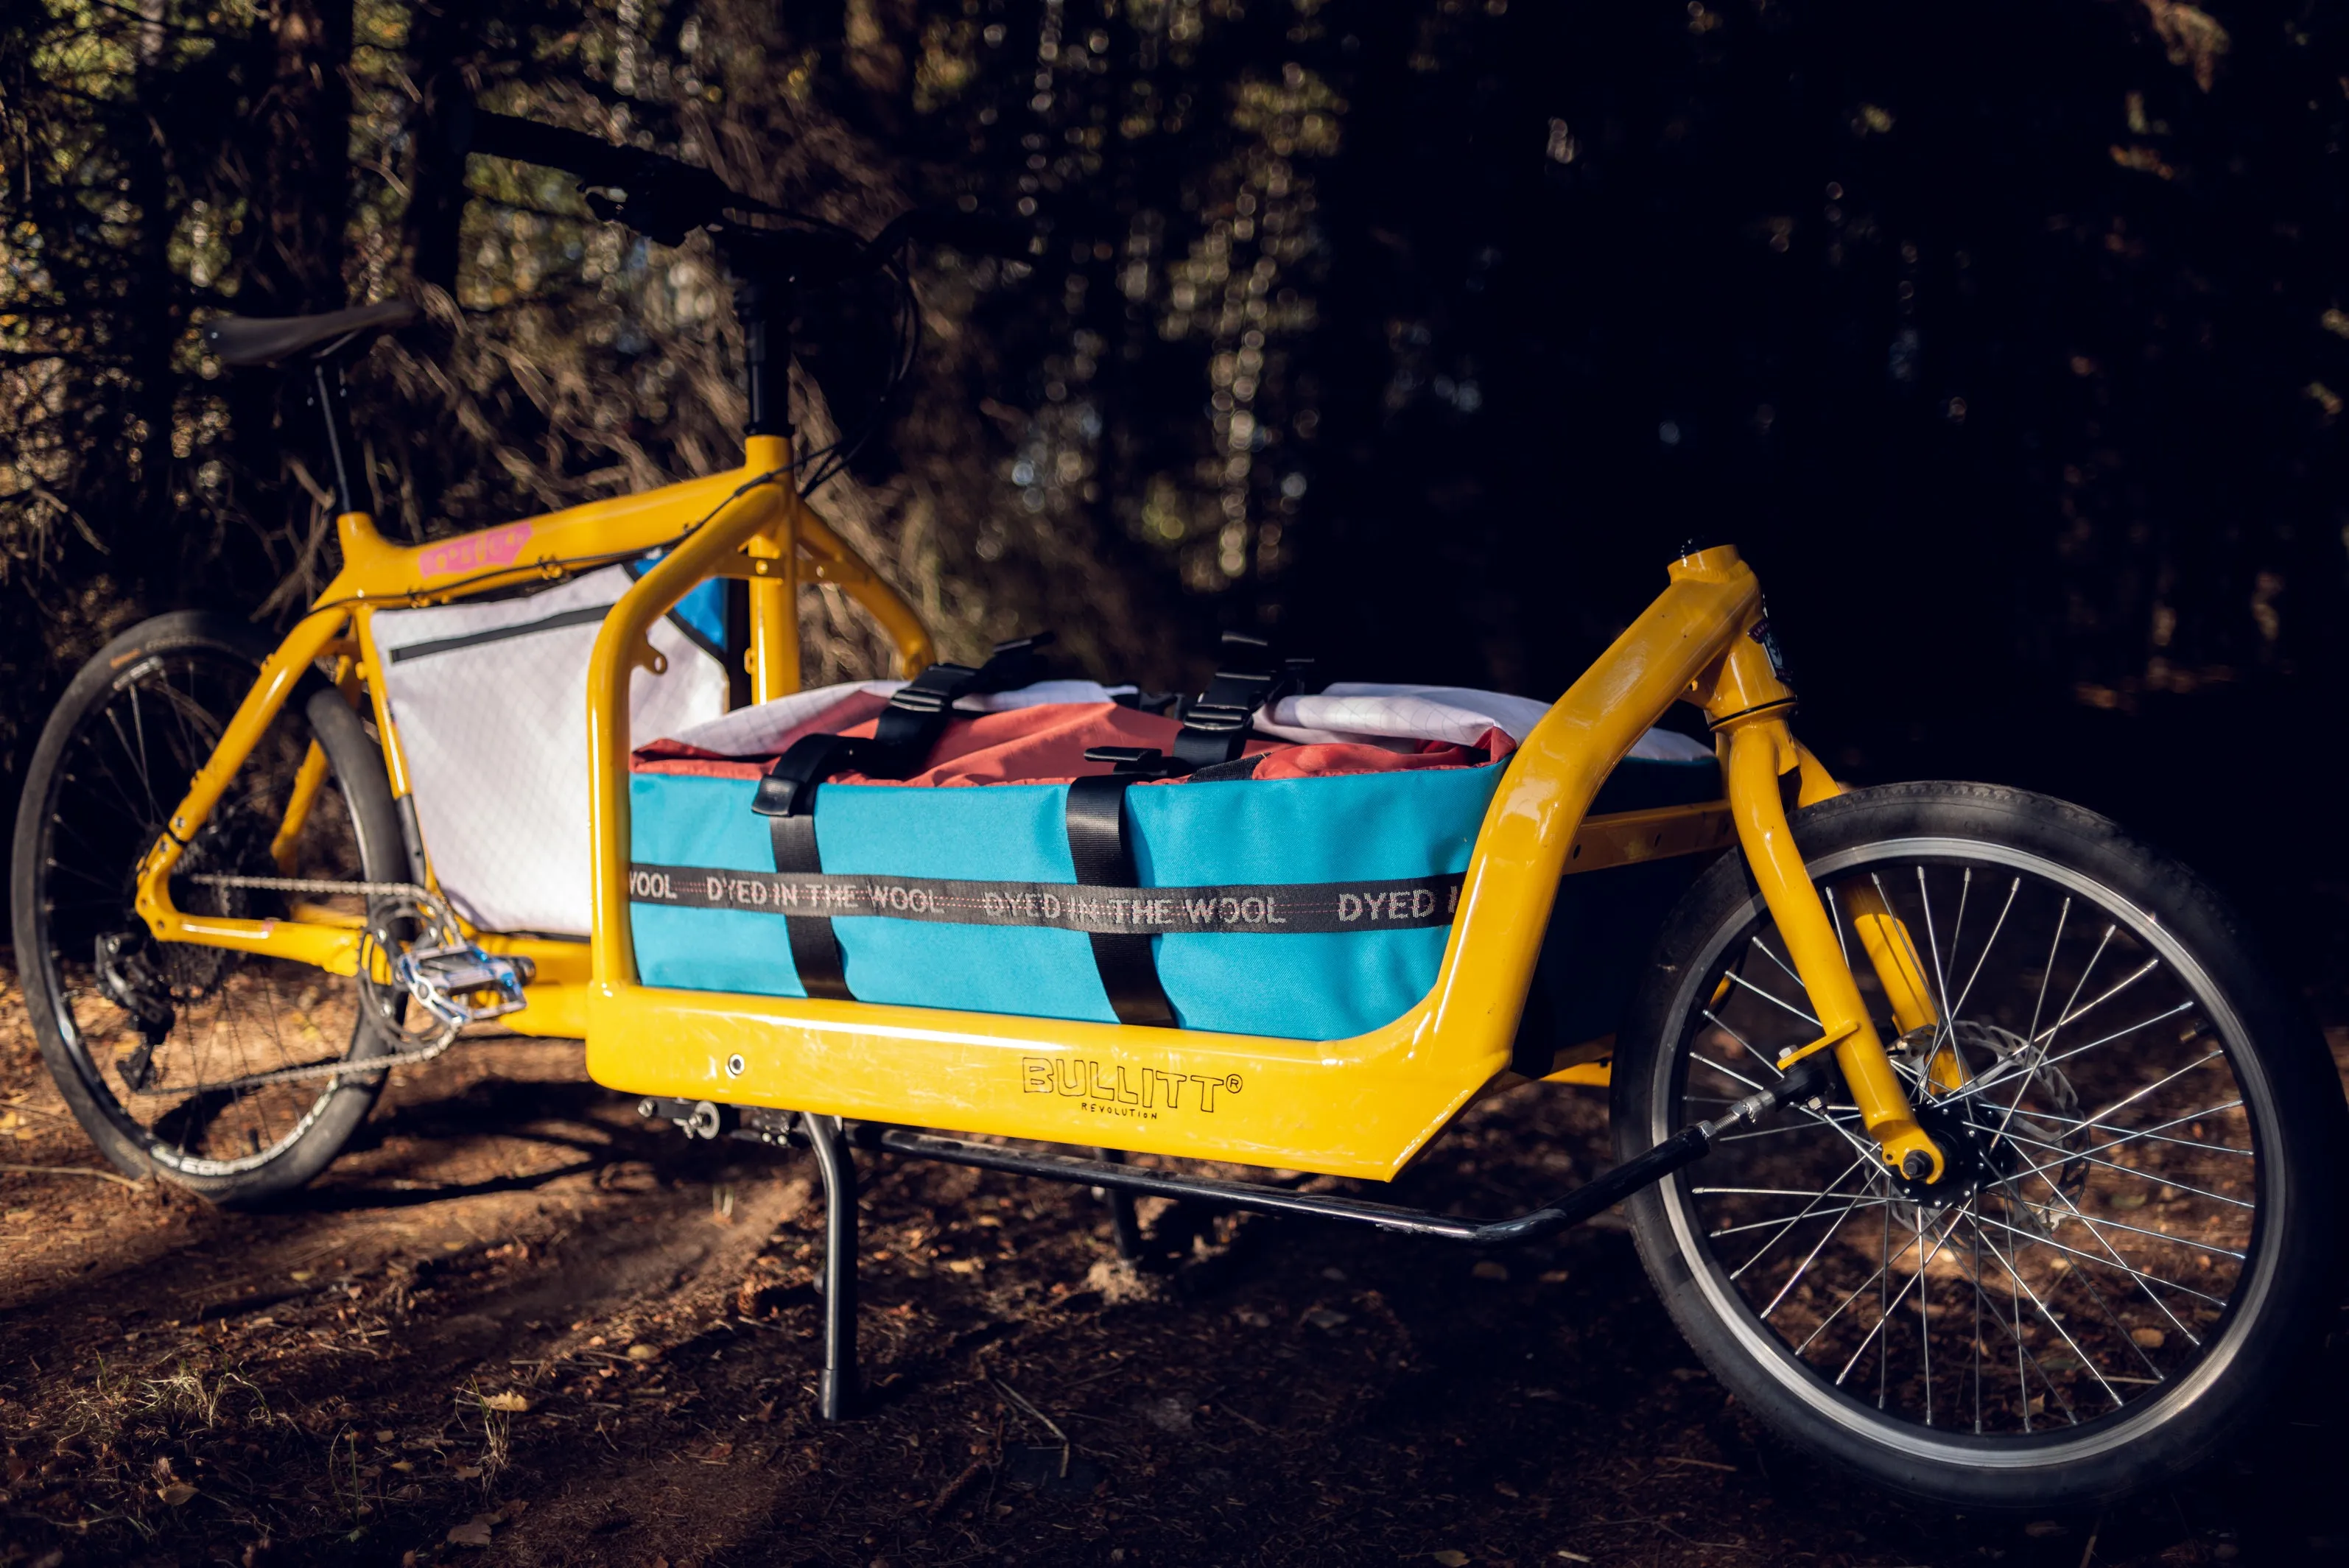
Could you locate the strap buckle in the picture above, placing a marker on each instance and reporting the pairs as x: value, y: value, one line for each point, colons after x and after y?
x: 1137, y: 762
x: 1216, y: 723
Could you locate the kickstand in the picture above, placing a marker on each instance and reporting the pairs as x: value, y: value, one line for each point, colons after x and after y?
x: 837, y: 1397
x: 1123, y: 1221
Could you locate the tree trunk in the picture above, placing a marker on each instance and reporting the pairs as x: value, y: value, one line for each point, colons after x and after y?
x: 298, y: 182
x: 440, y: 42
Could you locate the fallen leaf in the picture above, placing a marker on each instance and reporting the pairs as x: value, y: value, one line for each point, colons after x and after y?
x: 1324, y: 1317
x: 1553, y: 1276
x: 509, y: 1401
x: 467, y: 1473
x: 1168, y: 1413
x: 177, y: 1493
x: 1489, y: 1269
x: 1451, y: 1559
x: 473, y: 1533
x: 641, y: 1352
x: 2043, y: 1529
x: 1505, y: 1489
x: 302, y: 1276
x: 2148, y: 1339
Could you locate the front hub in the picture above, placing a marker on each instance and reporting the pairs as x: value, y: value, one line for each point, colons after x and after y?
x: 1975, y: 1156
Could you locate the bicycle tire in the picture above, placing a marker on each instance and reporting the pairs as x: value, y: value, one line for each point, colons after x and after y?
x: 223, y: 655
x: 2129, y: 1249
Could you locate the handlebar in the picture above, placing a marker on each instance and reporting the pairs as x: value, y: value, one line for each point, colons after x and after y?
x: 666, y: 198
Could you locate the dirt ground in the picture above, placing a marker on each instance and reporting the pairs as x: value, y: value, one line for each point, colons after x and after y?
x: 514, y: 1325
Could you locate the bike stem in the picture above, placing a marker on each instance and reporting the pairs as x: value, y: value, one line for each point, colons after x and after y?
x: 1747, y: 702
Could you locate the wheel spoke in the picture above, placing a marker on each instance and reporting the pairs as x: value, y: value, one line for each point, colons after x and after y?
x: 1744, y: 1044
x: 1933, y: 944
x: 2054, y: 1322
x: 2147, y: 967
x: 2027, y: 1074
x: 2035, y: 1239
x: 1741, y: 980
x: 1924, y: 1277
x: 1812, y: 1256
x: 2070, y: 1155
x: 1997, y: 926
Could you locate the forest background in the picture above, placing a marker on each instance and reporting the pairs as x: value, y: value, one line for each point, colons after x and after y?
x: 2009, y: 341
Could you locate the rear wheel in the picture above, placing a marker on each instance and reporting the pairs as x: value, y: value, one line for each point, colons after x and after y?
x: 2138, y: 1234
x: 157, y: 1046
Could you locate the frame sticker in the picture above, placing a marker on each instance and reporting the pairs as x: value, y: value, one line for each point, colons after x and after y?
x: 489, y: 549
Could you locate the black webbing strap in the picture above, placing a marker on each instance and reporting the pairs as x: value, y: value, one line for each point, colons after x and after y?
x: 1215, y: 723
x: 1097, y: 844
x: 920, y: 711
x: 786, y: 798
x: 902, y: 738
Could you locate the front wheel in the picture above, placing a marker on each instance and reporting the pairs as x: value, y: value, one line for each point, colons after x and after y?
x: 2136, y: 1235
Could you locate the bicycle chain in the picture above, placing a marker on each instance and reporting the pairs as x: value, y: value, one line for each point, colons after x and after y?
x: 432, y: 902
x: 423, y: 895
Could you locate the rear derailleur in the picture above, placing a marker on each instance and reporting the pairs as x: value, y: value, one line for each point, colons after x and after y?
x: 127, y: 974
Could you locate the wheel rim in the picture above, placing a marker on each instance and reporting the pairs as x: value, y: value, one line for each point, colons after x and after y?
x: 2091, y: 1267
x: 231, y: 1016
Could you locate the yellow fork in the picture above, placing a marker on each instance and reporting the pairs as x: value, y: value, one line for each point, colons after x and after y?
x: 1747, y: 705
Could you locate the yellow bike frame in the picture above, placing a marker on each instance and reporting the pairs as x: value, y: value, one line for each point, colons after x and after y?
x: 1361, y: 1107
x: 777, y: 543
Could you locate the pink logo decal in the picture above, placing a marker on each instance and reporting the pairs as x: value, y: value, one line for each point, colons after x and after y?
x: 491, y: 548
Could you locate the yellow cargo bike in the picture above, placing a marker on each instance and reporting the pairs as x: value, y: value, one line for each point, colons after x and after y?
x: 1962, y: 1134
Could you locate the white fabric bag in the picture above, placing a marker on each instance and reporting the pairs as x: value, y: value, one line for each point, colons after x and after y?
x: 1372, y: 711
x: 750, y: 731
x: 490, y: 703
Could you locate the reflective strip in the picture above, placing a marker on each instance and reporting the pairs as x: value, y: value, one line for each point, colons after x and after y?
x: 1303, y: 908
x: 586, y: 615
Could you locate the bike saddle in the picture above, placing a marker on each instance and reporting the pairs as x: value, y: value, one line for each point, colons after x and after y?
x: 264, y: 340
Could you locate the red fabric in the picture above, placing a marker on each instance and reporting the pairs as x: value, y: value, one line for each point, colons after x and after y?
x: 1328, y: 760
x: 1047, y: 745
x: 857, y: 708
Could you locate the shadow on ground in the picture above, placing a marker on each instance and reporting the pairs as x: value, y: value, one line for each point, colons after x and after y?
x: 515, y: 1325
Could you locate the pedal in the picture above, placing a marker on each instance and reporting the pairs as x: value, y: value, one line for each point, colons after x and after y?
x: 462, y: 984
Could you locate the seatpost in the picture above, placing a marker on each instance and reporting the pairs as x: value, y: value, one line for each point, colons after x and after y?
x: 764, y: 348
x: 326, y: 397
